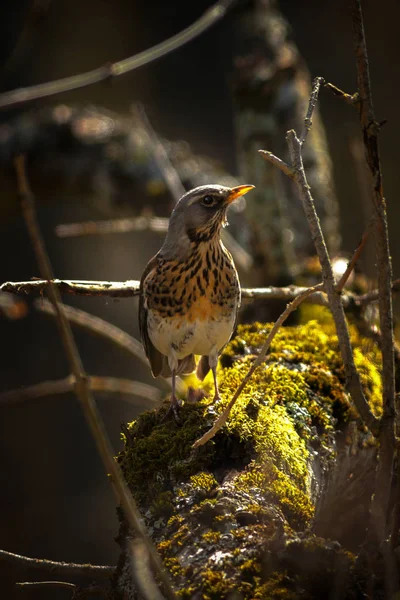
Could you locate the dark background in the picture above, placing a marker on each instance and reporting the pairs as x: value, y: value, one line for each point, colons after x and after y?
x: 55, y: 501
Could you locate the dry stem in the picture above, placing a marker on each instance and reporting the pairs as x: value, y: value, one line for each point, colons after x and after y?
x: 55, y: 567
x: 110, y: 70
x: 81, y: 385
x: 370, y: 128
x: 105, y: 385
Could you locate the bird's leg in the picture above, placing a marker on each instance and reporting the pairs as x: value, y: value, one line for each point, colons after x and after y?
x: 174, y: 401
x: 217, y: 396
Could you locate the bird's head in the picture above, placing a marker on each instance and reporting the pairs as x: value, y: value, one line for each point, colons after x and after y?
x: 199, y: 216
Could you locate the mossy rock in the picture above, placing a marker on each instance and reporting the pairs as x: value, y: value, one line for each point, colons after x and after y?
x: 225, y: 516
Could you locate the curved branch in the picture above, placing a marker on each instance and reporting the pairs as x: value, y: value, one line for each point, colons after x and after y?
x: 106, y: 385
x: 108, y: 71
x: 56, y: 567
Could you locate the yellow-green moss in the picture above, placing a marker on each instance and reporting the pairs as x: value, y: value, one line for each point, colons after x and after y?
x: 211, y: 537
x: 297, y: 397
x: 203, y: 483
x: 297, y: 393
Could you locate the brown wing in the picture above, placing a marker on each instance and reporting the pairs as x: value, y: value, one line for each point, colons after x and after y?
x: 158, y: 362
x: 156, y: 359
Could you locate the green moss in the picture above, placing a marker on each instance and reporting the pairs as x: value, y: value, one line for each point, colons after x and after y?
x: 296, y: 397
x: 203, y: 483
x: 211, y: 537
x: 278, y: 587
x: 215, y: 585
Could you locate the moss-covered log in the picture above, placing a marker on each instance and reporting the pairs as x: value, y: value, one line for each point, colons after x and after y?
x: 237, y: 518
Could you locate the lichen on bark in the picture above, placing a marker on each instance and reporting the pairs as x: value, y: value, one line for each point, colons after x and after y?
x: 236, y: 517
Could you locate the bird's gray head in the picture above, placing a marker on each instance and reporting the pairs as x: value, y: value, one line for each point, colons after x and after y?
x: 199, y: 216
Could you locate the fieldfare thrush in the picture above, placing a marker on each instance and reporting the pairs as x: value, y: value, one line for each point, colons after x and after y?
x: 190, y: 292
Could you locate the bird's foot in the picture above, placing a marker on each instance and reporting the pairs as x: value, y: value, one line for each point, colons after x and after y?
x: 195, y: 395
x: 173, y: 408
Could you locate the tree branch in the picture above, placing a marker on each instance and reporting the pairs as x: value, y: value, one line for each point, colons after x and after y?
x: 352, y: 99
x: 105, y: 385
x: 335, y: 303
x: 79, y: 593
x: 55, y: 567
x: 110, y: 70
x: 370, y: 128
x: 316, y: 85
x: 82, y: 389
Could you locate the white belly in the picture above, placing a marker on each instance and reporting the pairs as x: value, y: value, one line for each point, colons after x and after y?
x: 178, y: 337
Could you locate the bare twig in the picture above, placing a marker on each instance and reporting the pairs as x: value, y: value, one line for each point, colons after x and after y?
x: 335, y: 303
x: 55, y: 584
x: 110, y: 70
x: 157, y: 224
x: 278, y: 162
x: 127, y: 289
x: 79, y: 593
x: 105, y: 385
x: 316, y: 85
x: 81, y: 386
x: 55, y: 567
x: 111, y: 289
x: 352, y: 99
x: 220, y: 422
x: 116, y: 289
x: 387, y: 441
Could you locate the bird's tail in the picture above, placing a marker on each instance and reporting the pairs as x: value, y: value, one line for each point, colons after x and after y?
x: 185, y: 366
x: 203, y: 367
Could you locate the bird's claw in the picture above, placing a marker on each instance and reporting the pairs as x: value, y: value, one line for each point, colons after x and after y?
x: 173, y: 408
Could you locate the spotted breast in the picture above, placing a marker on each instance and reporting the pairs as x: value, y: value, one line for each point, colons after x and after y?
x: 192, y: 305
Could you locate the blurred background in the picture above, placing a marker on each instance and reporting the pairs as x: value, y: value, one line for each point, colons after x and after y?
x: 55, y: 500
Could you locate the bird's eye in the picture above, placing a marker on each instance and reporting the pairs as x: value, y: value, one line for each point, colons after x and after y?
x: 208, y: 200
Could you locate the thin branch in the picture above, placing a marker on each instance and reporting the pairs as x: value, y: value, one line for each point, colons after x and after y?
x: 104, y: 385
x: 370, y: 128
x: 316, y: 85
x: 81, y: 386
x: 110, y: 70
x: 335, y: 302
x: 55, y: 584
x: 127, y: 289
x: 157, y: 224
x: 220, y: 422
x: 278, y: 162
x: 352, y: 99
x: 111, y: 289
x: 55, y: 567
x: 116, y: 289
x: 79, y: 593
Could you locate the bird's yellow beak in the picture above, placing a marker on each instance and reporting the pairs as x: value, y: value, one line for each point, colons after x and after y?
x: 238, y: 191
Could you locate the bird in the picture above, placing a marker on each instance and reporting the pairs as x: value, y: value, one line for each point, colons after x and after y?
x: 189, y: 293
